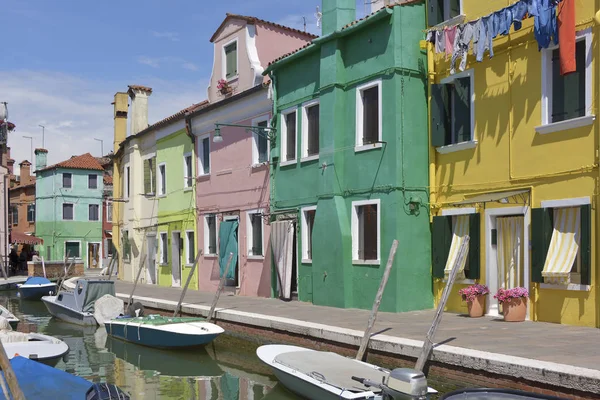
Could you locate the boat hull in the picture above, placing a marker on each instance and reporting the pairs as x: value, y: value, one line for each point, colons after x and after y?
x: 36, y: 292
x: 68, y: 314
x: 42, y: 348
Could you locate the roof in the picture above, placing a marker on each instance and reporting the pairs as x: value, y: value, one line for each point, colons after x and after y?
x: 289, y: 54
x: 108, y: 180
x: 254, y: 20
x: 84, y: 161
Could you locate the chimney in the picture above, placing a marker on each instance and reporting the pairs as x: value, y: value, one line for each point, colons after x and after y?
x: 120, y: 106
x: 337, y: 14
x: 41, y: 159
x: 25, y: 174
x: 139, y: 107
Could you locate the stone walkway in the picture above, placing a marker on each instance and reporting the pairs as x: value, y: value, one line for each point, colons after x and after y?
x: 575, y: 346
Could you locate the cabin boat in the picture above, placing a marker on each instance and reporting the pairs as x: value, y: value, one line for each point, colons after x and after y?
x: 35, y: 346
x: 77, y: 306
x: 319, y: 375
x: 10, y: 317
x: 35, y: 287
x: 163, y: 332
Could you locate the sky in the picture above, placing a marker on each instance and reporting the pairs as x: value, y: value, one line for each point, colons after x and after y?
x: 63, y: 61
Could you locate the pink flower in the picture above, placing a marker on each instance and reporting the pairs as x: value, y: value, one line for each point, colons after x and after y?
x: 470, y: 293
x: 222, y: 84
x: 505, y: 295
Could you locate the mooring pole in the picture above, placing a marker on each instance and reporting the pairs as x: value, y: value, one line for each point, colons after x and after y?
x: 221, y: 284
x: 187, y: 283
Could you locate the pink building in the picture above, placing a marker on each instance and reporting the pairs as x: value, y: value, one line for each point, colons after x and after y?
x: 232, y: 172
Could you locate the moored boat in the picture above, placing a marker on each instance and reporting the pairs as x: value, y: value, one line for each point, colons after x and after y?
x: 10, y: 317
x: 36, y: 287
x: 495, y: 394
x: 35, y: 346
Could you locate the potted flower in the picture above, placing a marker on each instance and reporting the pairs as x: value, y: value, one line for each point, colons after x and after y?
x: 474, y: 295
x: 514, y: 303
x: 223, y: 86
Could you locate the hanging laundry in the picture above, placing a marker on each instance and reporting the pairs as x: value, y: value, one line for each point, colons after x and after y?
x: 566, y: 36
x: 519, y: 10
x: 462, y: 40
x: 450, y: 35
x: 485, y: 38
x: 545, y: 27
x: 503, y: 20
x: 476, y: 38
x: 440, y: 41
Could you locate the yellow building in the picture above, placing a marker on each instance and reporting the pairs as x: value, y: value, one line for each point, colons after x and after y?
x: 514, y: 163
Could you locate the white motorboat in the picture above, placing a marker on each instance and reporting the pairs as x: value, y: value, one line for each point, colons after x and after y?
x: 35, y: 346
x: 10, y: 317
x: 319, y: 375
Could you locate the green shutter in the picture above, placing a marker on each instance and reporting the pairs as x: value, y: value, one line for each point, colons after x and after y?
x: 462, y: 110
x: 474, y: 247
x: 231, y: 60
x: 585, y: 246
x: 440, y: 123
x: 441, y: 239
x: 147, y: 184
x: 541, y: 234
x: 435, y: 12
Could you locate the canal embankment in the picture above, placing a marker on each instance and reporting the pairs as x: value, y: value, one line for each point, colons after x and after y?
x: 546, y: 358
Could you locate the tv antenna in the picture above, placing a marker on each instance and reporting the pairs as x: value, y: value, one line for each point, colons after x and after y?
x: 304, y: 19
x: 318, y: 15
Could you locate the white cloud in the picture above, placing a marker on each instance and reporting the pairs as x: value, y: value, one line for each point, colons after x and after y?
x: 190, y: 66
x: 152, y: 62
x: 173, y: 36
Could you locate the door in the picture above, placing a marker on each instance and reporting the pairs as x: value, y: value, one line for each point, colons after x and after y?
x: 229, y: 243
x: 151, y: 257
x: 176, y: 259
x: 94, y: 255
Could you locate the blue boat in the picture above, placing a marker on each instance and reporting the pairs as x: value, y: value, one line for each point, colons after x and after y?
x: 35, y: 287
x: 39, y: 381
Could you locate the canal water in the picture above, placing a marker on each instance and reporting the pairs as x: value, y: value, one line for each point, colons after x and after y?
x: 227, y: 369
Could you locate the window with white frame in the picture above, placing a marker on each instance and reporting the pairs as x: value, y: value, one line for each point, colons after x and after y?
x: 204, y: 155
x: 109, y: 210
x: 72, y: 250
x: 92, y: 181
x: 67, y: 180
x: 310, y: 129
x: 255, y: 233
x: 67, y: 211
x: 149, y: 175
x: 190, y: 246
x: 452, y: 110
x: 366, y: 230
x: 567, y: 97
x: 368, y: 113
x: 162, y: 179
x: 164, y: 249
x: 443, y: 10
x: 31, y: 213
x: 260, y: 144
x: 288, y: 135
x: 94, y: 212
x: 308, y: 221
x: 230, y: 60
x: 126, y: 182
x: 188, y: 175
x: 210, y: 234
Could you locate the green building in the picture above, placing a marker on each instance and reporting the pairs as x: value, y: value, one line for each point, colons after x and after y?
x: 350, y: 161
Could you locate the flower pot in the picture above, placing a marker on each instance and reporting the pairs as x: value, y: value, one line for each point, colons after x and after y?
x: 476, y: 307
x: 515, y: 310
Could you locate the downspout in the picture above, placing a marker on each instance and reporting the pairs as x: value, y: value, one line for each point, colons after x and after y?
x: 198, y: 247
x: 6, y: 238
x: 273, y: 124
x: 595, y: 207
x: 432, y: 181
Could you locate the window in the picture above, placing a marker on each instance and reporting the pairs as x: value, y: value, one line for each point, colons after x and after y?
x: 126, y: 246
x: 68, y: 212
x: 288, y: 136
x: 126, y: 182
x: 255, y: 233
x: 452, y: 111
x: 109, y: 209
x: 210, y: 235
x: 308, y: 221
x: 204, y: 155
x: 110, y: 250
x: 31, y: 213
x: 188, y: 175
x: 310, y: 129
x: 49, y: 253
x: 190, y: 247
x: 443, y: 10
x: 368, y: 114
x: 149, y: 175
x: 92, y: 181
x: 231, y: 69
x: 365, y: 231
x: 162, y: 179
x: 66, y: 180
x: 260, y: 145
x: 93, y: 212
x: 15, y: 215
x: 72, y: 250
x: 164, y: 249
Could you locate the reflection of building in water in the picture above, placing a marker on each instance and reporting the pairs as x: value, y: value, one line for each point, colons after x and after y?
x: 231, y: 387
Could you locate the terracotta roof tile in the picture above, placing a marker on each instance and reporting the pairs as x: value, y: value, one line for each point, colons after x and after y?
x: 84, y: 161
x: 108, y: 180
x: 289, y: 54
x: 254, y: 20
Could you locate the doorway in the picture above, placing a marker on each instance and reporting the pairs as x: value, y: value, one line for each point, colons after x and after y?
x: 235, y: 282
x: 151, y: 257
x: 94, y: 255
x: 295, y: 262
x: 176, y: 259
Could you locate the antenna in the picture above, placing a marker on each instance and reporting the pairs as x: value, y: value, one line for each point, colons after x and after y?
x: 318, y: 15
x: 304, y: 19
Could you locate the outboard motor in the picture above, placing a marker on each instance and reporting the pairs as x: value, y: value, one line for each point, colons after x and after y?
x: 106, y: 391
x: 401, y: 384
x: 135, y: 310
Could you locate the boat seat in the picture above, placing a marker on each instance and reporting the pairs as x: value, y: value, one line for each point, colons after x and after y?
x: 332, y: 368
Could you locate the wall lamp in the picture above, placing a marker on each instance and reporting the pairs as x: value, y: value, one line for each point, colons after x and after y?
x: 263, y: 131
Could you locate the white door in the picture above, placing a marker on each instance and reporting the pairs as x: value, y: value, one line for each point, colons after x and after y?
x: 151, y: 257
x: 176, y: 259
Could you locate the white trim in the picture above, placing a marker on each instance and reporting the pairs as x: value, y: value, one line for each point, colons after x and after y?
x: 572, y: 123
x: 148, y: 156
x: 65, y: 248
x: 172, y: 258
x: 470, y: 73
x: 201, y: 159
x: 224, y: 60
x: 547, y: 126
x: 62, y: 212
x: 366, y: 147
x: 451, y: 148
x: 284, y: 128
x: 185, y: 177
x: 99, y: 213
x: 311, y: 158
x: 162, y: 190
x: 187, y: 248
x: 206, y: 238
x: 250, y: 237
x: 459, y: 211
x: 578, y: 201
x: 359, y: 145
x: 571, y: 287
x: 255, y: 122
x: 252, y: 53
x: 304, y: 131
x: 164, y: 257
x: 304, y: 232
x: 355, y: 205
x: 62, y: 182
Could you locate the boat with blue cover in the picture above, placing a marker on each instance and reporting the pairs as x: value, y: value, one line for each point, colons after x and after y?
x: 35, y: 287
x: 164, y: 332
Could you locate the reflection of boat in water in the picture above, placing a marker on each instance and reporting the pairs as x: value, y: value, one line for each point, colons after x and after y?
x: 195, y: 363
x: 279, y: 392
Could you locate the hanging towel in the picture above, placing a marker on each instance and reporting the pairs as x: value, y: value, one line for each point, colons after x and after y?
x: 462, y: 41
x: 566, y: 36
x: 440, y: 41
x: 450, y: 35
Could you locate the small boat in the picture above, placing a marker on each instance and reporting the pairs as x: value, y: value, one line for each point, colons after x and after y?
x: 163, y: 332
x: 319, y: 375
x: 36, y: 287
x: 77, y: 306
x: 495, y: 394
x: 10, y: 317
x: 35, y: 346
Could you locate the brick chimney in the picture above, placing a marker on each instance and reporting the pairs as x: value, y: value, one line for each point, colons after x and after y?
x: 25, y: 174
x: 120, y: 107
x: 139, y: 107
x: 337, y: 14
x: 41, y: 158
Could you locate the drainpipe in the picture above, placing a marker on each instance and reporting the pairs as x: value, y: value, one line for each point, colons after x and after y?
x: 6, y: 239
x: 596, y: 274
x: 432, y: 155
x: 273, y: 123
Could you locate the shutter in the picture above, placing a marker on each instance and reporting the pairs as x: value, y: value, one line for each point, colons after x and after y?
x: 205, y: 156
x: 261, y: 142
x: 435, y: 12
x: 585, y: 245
x: 147, y: 177
x: 370, y: 115
x: 474, y: 247
x: 462, y: 110
x: 313, y: 130
x: 454, y: 8
x: 361, y: 234
x: 231, y: 60
x: 439, y: 115
x: 541, y: 234
x: 441, y: 240
x: 256, y: 235
x: 291, y: 136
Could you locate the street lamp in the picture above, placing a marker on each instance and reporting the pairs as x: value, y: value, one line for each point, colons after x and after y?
x: 101, y: 146
x: 263, y: 131
x: 43, y: 129
x: 31, y: 141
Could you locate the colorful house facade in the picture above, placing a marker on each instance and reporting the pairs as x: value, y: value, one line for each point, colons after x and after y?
x: 232, y: 164
x: 69, y: 199
x: 22, y: 201
x: 349, y: 166
x: 514, y: 159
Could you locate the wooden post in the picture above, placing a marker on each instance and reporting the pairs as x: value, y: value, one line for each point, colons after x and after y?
x: 187, y: 283
x: 364, y: 343
x: 43, y: 267
x: 115, y: 258
x: 9, y: 375
x: 64, y: 278
x: 109, y: 268
x: 221, y: 284
x: 428, y: 343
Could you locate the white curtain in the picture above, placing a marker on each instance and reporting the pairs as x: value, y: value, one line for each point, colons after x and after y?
x: 510, y: 251
x: 282, y: 237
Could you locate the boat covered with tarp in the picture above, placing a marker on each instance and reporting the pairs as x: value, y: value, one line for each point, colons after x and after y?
x: 36, y: 287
